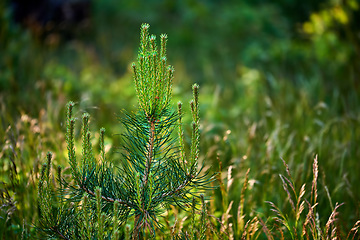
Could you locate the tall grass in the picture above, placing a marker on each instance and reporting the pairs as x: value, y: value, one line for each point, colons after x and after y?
x: 256, y: 112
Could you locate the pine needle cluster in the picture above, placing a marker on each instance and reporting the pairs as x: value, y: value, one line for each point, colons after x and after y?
x: 155, y: 171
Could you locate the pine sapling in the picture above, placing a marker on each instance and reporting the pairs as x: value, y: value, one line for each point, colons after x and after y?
x: 155, y: 171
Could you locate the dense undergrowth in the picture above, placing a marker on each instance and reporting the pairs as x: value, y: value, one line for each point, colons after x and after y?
x: 276, y: 86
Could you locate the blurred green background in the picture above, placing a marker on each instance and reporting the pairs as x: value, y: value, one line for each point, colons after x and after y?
x: 278, y: 79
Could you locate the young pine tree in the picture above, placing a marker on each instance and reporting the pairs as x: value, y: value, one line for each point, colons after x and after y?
x: 155, y: 171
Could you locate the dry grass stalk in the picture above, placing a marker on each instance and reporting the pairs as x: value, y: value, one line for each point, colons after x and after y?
x: 331, y: 224
x: 225, y: 218
x: 300, y: 206
x: 314, y: 182
x: 230, y: 180
x: 266, y: 230
x: 250, y: 229
x: 355, y: 230
x: 240, y: 212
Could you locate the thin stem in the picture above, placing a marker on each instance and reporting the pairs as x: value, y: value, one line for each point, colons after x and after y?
x: 59, y: 233
x: 181, y: 137
x: 138, y: 222
x: 108, y: 199
x: 180, y: 187
x: 150, y: 153
x: 137, y: 228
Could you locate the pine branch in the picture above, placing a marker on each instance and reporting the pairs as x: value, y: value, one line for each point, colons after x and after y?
x: 70, y: 128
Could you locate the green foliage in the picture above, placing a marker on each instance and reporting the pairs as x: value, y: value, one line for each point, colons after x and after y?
x: 153, y: 78
x: 153, y: 174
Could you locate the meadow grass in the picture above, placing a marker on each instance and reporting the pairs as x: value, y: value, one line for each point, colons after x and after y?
x: 258, y: 195
x: 284, y: 142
